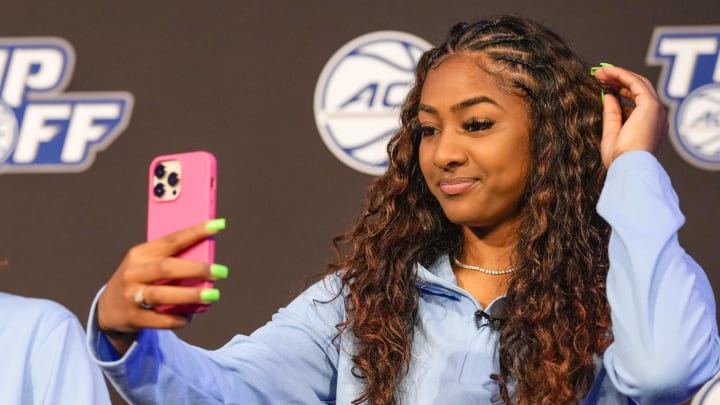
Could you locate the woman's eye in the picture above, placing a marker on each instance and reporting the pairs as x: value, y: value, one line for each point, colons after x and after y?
x: 427, y: 130
x: 477, y: 125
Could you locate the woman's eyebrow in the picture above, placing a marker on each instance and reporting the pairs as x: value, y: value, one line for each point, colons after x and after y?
x: 461, y: 105
x: 473, y: 101
x: 427, y: 108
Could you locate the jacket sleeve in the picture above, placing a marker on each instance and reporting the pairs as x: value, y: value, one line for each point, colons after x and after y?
x: 290, y: 360
x: 662, y: 306
x: 58, y: 370
x: 61, y: 371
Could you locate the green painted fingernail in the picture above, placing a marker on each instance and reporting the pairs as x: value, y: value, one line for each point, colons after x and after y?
x: 219, y: 271
x: 210, y: 294
x: 601, y: 65
x: 215, y: 224
x: 602, y: 96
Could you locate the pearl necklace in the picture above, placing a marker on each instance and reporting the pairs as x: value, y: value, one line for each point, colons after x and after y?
x: 482, y: 269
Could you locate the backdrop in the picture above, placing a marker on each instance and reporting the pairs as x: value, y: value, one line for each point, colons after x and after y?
x: 238, y: 78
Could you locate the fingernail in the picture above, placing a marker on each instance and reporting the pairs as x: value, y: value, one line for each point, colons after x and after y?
x: 602, y: 96
x: 219, y: 271
x: 215, y: 224
x: 601, y: 65
x: 210, y: 294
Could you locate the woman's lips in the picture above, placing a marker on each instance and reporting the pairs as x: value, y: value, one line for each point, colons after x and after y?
x: 456, y: 185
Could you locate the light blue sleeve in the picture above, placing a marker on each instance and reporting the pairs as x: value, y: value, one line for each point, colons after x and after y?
x: 62, y: 372
x: 290, y: 360
x: 662, y: 306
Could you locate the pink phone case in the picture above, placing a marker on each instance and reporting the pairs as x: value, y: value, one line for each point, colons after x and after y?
x: 180, y: 200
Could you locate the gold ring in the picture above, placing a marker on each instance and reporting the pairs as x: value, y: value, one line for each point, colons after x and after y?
x: 140, y: 301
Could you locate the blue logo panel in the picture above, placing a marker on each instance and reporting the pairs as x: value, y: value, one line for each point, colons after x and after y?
x: 43, y: 129
x: 690, y: 85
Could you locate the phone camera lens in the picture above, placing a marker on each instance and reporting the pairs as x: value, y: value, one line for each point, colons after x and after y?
x: 173, y: 179
x: 160, y: 171
x: 159, y: 190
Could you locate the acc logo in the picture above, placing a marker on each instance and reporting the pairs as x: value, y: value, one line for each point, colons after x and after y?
x: 359, y: 94
x: 690, y: 84
x: 43, y: 129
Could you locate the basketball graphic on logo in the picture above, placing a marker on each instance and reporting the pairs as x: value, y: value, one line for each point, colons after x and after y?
x: 698, y: 124
x: 359, y: 95
x: 8, y: 131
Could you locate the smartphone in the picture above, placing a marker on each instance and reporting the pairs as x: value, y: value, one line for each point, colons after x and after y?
x: 181, y: 192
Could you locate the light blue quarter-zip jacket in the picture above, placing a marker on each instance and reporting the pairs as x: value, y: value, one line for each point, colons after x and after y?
x: 663, y: 322
x: 43, y: 360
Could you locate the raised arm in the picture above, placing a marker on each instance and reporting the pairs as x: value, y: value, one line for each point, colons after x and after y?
x: 662, y: 306
x: 292, y: 359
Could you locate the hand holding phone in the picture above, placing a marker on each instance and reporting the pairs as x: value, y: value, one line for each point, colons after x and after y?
x: 181, y: 192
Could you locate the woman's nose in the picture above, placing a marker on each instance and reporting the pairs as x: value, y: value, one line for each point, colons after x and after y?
x: 449, y: 152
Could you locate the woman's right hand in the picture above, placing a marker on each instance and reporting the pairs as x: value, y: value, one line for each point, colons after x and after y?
x: 120, y: 314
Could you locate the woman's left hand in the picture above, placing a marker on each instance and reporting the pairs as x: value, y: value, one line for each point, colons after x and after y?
x: 645, y: 125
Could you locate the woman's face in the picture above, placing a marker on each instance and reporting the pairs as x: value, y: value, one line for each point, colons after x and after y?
x: 475, y: 146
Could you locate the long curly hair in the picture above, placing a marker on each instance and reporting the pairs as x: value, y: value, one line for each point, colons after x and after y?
x: 558, y: 314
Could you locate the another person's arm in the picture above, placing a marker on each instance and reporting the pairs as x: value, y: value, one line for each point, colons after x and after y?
x: 44, y: 360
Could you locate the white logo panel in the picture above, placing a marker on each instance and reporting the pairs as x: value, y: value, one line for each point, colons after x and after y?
x: 359, y: 95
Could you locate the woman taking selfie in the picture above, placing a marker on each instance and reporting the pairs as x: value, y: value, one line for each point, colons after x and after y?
x: 521, y: 248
